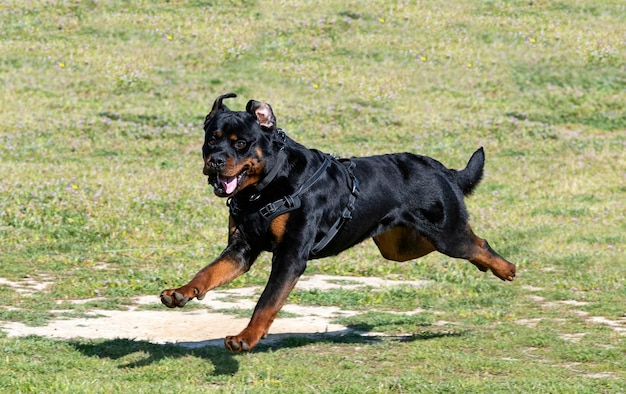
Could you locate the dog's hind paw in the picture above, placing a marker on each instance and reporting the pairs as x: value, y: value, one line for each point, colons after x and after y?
x: 506, y: 272
x: 172, y: 299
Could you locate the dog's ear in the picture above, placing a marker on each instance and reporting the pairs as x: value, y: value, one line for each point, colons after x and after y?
x: 263, y: 114
x: 218, y: 106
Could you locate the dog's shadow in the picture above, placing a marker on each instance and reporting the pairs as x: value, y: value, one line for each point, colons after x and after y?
x: 117, y: 349
x: 226, y: 363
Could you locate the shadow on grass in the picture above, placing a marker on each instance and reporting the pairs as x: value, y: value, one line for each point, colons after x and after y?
x: 227, y: 363
x: 357, y: 334
x: 114, y: 349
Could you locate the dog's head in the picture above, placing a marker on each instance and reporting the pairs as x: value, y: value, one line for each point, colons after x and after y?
x: 237, y: 145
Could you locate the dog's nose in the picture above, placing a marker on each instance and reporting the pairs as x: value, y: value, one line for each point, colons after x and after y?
x: 216, y: 163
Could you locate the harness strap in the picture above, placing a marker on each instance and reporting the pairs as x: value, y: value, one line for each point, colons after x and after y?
x: 292, y: 201
x: 346, y: 214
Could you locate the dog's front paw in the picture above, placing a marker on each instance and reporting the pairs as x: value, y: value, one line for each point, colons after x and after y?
x: 236, y: 344
x: 173, y: 298
x: 245, y: 341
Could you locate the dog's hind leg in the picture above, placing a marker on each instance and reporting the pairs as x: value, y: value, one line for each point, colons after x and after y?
x: 468, y: 246
x: 483, y: 256
x: 404, y: 243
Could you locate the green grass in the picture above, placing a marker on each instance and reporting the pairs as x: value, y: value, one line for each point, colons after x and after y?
x: 101, y: 191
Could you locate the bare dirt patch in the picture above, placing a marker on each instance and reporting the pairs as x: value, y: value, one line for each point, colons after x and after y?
x: 200, y: 327
x: 618, y: 325
x: 27, y: 285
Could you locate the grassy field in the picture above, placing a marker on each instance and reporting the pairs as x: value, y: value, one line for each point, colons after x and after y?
x: 101, y: 191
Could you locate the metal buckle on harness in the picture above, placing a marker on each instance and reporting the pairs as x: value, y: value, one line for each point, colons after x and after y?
x: 289, y: 202
x: 347, y: 213
x: 268, y: 210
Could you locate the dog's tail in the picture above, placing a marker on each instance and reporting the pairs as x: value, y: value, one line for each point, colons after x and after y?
x: 469, y: 177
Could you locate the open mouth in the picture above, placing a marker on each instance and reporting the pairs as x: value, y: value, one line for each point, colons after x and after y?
x: 225, y: 186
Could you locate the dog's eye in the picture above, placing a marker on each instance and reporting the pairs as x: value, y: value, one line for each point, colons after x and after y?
x: 240, y: 144
x: 211, y: 141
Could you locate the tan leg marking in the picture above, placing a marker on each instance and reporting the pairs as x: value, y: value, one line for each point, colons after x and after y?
x: 402, y: 244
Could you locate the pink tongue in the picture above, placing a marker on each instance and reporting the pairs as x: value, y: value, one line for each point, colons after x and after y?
x: 230, y: 184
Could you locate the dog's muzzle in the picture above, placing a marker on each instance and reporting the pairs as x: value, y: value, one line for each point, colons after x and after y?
x: 225, y: 186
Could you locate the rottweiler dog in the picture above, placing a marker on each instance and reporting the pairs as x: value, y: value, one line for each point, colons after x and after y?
x: 301, y: 204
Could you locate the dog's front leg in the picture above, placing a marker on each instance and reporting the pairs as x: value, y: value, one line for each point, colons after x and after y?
x: 282, y: 280
x: 235, y: 260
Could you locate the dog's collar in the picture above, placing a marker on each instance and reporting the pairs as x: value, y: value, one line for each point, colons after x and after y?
x: 280, y: 161
x: 282, y: 139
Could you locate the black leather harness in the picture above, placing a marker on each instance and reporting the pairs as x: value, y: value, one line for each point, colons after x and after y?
x: 264, y: 215
x: 346, y: 214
